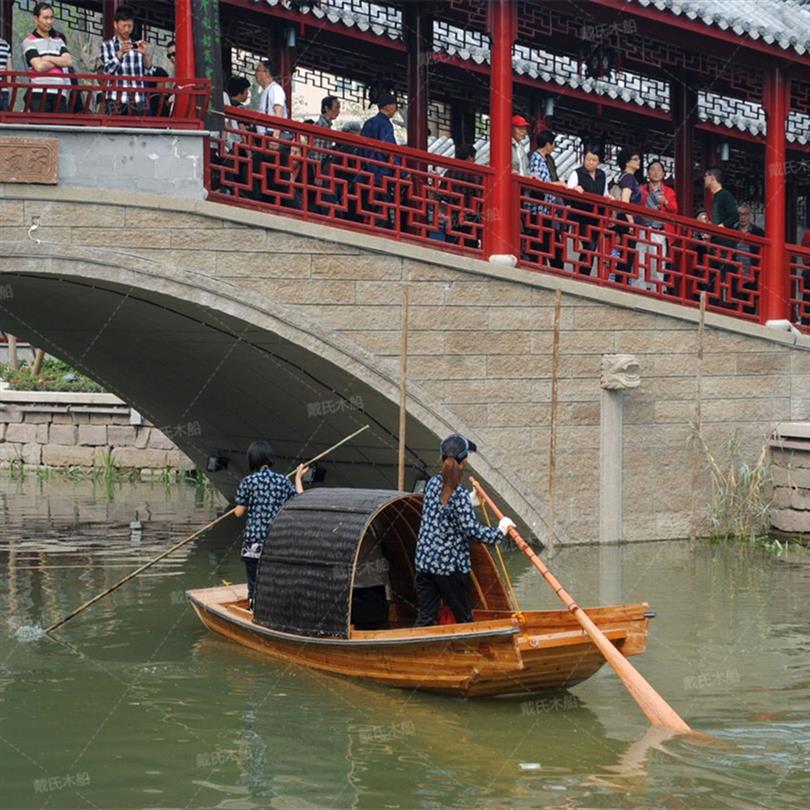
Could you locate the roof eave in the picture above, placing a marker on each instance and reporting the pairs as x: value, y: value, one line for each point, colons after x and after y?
x: 697, y: 26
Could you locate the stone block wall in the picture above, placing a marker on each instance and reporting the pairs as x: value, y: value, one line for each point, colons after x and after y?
x: 78, y: 430
x: 790, y: 466
x: 480, y: 344
x: 126, y: 159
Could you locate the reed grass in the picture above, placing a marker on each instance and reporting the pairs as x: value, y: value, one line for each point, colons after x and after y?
x: 739, y: 492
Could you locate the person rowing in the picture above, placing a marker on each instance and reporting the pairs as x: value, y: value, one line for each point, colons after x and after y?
x: 448, y: 524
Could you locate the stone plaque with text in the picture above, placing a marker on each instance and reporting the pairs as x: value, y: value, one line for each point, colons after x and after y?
x: 29, y: 160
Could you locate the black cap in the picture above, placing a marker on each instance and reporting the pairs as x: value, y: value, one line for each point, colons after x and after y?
x: 385, y: 99
x: 457, y: 447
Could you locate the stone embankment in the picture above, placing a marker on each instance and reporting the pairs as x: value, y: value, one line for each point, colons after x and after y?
x: 69, y: 430
x: 790, y: 465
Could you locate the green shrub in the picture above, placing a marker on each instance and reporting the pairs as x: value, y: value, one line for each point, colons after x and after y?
x: 53, y: 376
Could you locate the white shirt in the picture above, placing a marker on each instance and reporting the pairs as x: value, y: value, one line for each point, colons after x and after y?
x: 272, y: 95
x: 520, y: 159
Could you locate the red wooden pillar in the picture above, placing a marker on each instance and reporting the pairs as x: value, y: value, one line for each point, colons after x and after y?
x: 417, y: 26
x: 683, y: 103
x: 185, y: 64
x: 775, y: 296
x: 500, y: 213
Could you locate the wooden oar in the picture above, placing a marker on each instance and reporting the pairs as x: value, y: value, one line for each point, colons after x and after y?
x: 182, y: 543
x: 658, y: 711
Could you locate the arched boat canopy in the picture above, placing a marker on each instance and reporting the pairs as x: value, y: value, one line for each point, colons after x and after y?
x: 307, y: 567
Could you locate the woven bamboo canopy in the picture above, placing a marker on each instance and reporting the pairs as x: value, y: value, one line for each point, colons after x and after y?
x: 307, y: 568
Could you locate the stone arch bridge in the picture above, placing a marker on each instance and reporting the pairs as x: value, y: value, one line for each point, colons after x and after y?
x: 250, y: 325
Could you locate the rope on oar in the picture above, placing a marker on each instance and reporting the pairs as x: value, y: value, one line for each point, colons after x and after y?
x: 515, y: 605
x: 137, y: 571
x: 658, y: 711
x: 182, y: 543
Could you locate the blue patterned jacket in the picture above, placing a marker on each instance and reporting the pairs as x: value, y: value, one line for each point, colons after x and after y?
x: 264, y: 493
x: 443, y: 544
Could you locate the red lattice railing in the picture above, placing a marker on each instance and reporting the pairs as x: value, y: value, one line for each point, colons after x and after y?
x: 357, y: 183
x: 347, y: 180
x: 606, y: 242
x: 799, y: 263
x: 102, y: 100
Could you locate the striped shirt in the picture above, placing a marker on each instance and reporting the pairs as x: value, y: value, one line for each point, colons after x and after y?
x: 35, y: 46
x: 130, y: 64
x: 5, y: 55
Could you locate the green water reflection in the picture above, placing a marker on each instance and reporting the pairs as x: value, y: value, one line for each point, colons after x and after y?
x: 139, y: 706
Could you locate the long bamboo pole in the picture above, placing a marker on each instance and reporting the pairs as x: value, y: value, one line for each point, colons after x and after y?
x: 552, y: 432
x: 137, y: 571
x: 698, y: 426
x: 658, y: 711
x: 182, y: 543
x: 403, y: 373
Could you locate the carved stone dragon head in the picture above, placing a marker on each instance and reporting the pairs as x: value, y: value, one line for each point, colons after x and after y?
x: 619, y: 371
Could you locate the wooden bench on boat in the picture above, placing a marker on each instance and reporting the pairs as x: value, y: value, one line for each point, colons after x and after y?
x: 303, y: 608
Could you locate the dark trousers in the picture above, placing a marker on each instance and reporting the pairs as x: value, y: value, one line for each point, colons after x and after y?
x: 45, y: 102
x: 251, y: 567
x: 549, y: 247
x: 453, y: 588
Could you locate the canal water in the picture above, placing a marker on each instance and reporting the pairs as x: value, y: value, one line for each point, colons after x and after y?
x: 137, y: 705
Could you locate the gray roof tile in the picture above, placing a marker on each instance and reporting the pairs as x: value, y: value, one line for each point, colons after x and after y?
x: 783, y: 23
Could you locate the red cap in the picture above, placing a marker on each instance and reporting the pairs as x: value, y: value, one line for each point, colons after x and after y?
x: 519, y: 121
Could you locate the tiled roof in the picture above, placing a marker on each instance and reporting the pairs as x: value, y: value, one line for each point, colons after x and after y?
x: 783, y: 23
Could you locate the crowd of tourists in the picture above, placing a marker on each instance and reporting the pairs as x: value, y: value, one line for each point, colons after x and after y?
x: 126, y: 56
x: 557, y: 230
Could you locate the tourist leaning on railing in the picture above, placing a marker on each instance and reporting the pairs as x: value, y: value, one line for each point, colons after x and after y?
x: 657, y: 235
x: 588, y: 177
x: 629, y: 164
x: 724, y: 215
x: 46, y: 53
x: 541, y: 166
x: 121, y: 56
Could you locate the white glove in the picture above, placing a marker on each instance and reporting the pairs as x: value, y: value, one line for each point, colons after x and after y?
x: 505, y: 524
x: 474, y: 498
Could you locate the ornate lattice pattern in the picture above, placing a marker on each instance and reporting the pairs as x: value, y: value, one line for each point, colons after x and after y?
x: 453, y: 38
x: 344, y: 89
x: 595, y: 241
x: 309, y: 173
x: 68, y: 16
x: 800, y: 96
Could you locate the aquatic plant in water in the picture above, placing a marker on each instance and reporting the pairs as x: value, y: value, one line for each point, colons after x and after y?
x: 739, y: 503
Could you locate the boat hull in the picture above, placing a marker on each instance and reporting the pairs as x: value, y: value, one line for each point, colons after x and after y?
x: 498, y: 654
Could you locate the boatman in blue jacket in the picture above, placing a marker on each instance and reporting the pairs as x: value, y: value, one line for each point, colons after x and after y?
x: 381, y: 163
x: 448, y: 524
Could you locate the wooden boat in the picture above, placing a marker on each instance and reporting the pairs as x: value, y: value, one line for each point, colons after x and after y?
x: 303, y: 608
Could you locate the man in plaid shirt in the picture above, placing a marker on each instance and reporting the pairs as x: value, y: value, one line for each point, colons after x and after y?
x: 121, y: 56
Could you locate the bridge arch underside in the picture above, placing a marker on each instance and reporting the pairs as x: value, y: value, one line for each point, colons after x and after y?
x: 216, y: 373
